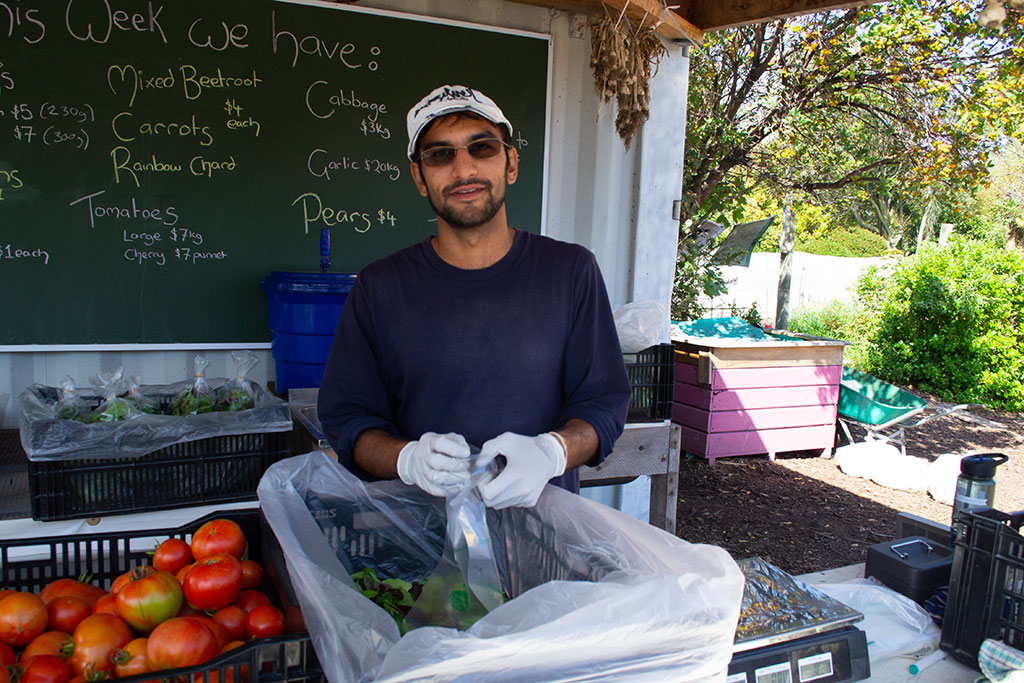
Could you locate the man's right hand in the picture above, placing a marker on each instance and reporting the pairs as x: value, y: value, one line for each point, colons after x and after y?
x: 437, y: 463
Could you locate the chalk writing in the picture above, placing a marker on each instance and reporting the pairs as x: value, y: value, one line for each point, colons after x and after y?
x: 130, y: 79
x: 186, y: 235
x: 207, y: 167
x: 238, y: 123
x: 10, y: 179
x: 285, y: 41
x: 25, y: 22
x: 164, y: 215
x: 233, y: 36
x: 125, y: 129
x: 142, y: 256
x: 6, y: 80
x: 314, y: 212
x: 194, y: 82
x: 80, y: 113
x: 98, y: 20
x: 78, y: 139
x: 319, y: 165
x: 10, y: 252
x: 323, y: 102
x: 373, y: 128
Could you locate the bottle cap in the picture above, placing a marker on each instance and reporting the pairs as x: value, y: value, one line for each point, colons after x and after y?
x: 981, y: 465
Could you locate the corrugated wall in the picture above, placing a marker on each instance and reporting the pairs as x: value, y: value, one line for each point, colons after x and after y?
x: 616, y: 202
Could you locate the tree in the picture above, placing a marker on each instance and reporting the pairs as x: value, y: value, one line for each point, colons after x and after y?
x: 869, y: 108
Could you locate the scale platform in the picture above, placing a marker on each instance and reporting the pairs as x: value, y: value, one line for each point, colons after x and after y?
x: 790, y: 632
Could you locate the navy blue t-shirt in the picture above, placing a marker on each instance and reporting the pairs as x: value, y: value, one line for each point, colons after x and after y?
x: 523, y: 346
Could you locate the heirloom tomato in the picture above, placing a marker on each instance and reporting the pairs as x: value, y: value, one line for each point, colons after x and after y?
x: 131, y: 659
x: 264, y: 621
x: 171, y: 555
x: 22, y: 617
x: 248, y: 599
x: 252, y: 574
x: 218, y: 536
x: 130, y: 575
x: 66, y: 611
x: 97, y: 638
x: 213, y: 582
x: 181, y: 641
x: 148, y: 599
x: 106, y: 605
x: 78, y: 588
x: 232, y: 618
x: 45, y: 669
x: 7, y: 656
x: 56, y: 643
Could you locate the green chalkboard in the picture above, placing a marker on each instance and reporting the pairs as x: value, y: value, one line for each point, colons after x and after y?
x: 158, y: 158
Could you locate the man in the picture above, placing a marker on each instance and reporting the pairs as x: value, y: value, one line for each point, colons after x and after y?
x: 480, y: 335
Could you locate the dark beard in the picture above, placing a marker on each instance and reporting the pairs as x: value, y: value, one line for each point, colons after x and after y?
x: 470, y: 218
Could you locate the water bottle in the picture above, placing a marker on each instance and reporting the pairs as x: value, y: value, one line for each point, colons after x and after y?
x: 975, y: 487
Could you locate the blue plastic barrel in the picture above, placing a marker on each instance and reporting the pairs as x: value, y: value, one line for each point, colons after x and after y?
x: 303, y: 311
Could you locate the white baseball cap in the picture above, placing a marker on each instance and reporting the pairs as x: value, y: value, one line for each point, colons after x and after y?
x: 449, y: 99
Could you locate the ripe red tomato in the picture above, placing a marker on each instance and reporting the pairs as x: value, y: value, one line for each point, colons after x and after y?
x: 264, y: 621
x: 252, y: 574
x: 218, y: 536
x: 248, y: 599
x: 232, y: 618
x: 96, y: 639
x: 216, y: 629
x: 45, y: 669
x: 131, y: 659
x: 180, y: 574
x: 57, y: 643
x: 213, y: 582
x: 181, y: 641
x: 106, y: 605
x: 66, y: 611
x: 22, y: 617
x: 171, y: 555
x: 73, y: 587
x: 7, y: 656
x: 149, y: 599
x: 122, y: 581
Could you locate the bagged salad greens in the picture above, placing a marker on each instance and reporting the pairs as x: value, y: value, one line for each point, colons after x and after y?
x: 113, y: 407
x: 197, y: 397
x: 70, y: 405
x: 238, y: 393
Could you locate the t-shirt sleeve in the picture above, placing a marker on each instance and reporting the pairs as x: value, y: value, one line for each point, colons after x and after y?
x: 597, y: 387
x: 352, y: 396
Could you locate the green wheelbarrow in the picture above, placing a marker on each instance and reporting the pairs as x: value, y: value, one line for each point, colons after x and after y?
x: 882, y: 409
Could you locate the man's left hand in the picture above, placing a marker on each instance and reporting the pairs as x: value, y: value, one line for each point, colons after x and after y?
x: 530, y: 462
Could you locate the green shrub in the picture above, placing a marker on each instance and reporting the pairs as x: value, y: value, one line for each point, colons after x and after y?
x: 836, y: 320
x: 949, y: 321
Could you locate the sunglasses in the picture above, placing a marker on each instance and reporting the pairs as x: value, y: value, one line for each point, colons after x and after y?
x: 484, y: 148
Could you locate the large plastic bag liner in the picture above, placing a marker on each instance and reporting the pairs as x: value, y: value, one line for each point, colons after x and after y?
x: 894, y: 624
x: 46, y: 437
x: 594, y: 594
x: 639, y: 324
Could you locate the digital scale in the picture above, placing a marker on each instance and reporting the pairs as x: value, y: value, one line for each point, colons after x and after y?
x: 789, y: 632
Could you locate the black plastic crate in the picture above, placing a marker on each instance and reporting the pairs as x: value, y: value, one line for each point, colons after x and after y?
x: 28, y: 564
x: 218, y: 469
x: 986, y: 588
x: 650, y: 375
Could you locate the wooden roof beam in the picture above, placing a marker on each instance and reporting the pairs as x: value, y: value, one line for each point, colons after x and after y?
x: 714, y: 15
x: 669, y: 24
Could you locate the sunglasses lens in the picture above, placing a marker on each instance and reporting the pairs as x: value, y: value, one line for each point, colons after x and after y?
x: 438, y: 156
x: 484, y: 149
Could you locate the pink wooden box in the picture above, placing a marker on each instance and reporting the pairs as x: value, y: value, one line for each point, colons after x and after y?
x: 749, y: 397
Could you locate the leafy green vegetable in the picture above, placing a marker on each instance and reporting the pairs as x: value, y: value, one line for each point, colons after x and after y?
x: 393, y: 595
x: 190, y: 402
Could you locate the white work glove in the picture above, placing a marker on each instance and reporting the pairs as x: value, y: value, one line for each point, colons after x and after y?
x: 437, y: 463
x: 530, y: 462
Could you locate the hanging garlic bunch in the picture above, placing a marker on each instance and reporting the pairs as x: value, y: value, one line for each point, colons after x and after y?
x: 623, y: 58
x: 994, y: 13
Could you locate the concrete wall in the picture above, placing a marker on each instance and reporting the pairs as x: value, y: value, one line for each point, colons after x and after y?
x: 816, y: 281
x: 616, y: 202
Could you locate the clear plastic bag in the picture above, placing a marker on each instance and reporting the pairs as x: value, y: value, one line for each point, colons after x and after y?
x: 238, y: 393
x: 197, y: 397
x: 640, y: 324
x: 70, y: 405
x: 594, y: 594
x: 113, y: 407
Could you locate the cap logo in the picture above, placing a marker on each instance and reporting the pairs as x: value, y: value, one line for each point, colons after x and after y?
x: 448, y: 95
